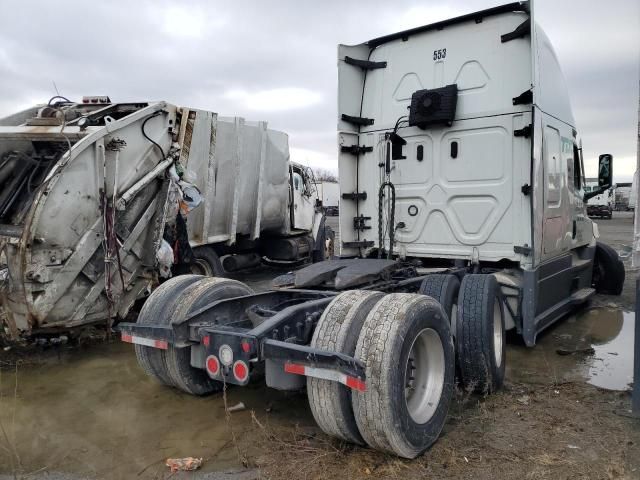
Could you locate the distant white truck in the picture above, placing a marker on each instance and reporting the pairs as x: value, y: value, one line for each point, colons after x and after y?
x: 328, y: 194
x: 633, y: 194
x: 600, y: 205
x: 622, y: 193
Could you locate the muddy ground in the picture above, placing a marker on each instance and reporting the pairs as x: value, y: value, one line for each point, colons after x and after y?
x: 89, y: 412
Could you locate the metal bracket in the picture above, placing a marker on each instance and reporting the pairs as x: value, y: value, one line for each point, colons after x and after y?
x: 521, y: 31
x: 305, y: 355
x: 523, y: 132
x: 357, y: 196
x: 365, y: 64
x: 359, y: 223
x: 524, y: 98
x: 522, y: 250
x: 355, y: 149
x: 362, y: 121
x: 360, y: 244
x: 526, y: 189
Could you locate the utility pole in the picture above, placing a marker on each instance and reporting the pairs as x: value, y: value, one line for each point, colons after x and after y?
x: 636, y: 210
x: 635, y: 398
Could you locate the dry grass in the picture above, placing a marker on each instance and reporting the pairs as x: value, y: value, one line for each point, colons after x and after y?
x: 485, y: 438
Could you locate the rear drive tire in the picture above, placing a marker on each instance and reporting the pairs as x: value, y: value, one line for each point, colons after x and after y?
x: 196, y: 381
x: 480, y: 337
x: 157, y: 310
x: 207, y: 262
x: 444, y: 288
x: 338, y: 330
x: 608, y: 271
x: 407, y: 348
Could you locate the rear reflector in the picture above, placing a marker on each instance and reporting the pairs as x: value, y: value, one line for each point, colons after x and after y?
x: 147, y: 342
x: 326, y: 374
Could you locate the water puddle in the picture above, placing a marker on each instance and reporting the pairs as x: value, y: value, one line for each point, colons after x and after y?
x: 612, y: 339
x: 595, y: 346
x: 95, y: 414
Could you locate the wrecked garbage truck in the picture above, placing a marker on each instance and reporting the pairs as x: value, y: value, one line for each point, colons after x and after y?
x: 89, y: 200
x: 462, y: 215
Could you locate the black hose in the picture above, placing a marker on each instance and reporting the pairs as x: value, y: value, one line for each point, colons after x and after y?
x: 30, y: 181
x: 162, y: 155
x: 60, y: 97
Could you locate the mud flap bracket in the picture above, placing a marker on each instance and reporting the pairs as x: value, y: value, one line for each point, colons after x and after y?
x: 355, y: 149
x: 359, y: 223
x: 364, y: 64
x: 356, y: 196
x: 360, y: 121
x: 523, y: 132
x: 521, y: 31
x: 524, y: 98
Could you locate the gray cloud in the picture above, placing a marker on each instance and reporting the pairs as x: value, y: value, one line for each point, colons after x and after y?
x: 218, y: 55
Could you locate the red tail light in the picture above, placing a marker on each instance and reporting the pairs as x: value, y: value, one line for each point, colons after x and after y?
x: 213, y: 365
x: 240, y: 371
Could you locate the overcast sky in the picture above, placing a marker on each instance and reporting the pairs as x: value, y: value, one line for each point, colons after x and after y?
x: 276, y: 60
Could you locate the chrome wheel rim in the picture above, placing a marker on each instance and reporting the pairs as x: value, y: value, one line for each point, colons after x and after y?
x: 498, y: 333
x: 424, y: 375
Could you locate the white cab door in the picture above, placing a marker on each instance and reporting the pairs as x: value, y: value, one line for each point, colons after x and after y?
x: 302, y: 206
x: 557, y: 230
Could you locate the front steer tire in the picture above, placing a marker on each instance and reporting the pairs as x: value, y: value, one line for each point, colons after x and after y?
x: 608, y: 271
x: 407, y: 349
x: 338, y: 330
x: 480, y: 335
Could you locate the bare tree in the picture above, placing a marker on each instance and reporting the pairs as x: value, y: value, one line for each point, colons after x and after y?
x: 324, y: 175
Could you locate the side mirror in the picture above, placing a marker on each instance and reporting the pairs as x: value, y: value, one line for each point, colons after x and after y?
x: 605, y: 170
x: 605, y: 176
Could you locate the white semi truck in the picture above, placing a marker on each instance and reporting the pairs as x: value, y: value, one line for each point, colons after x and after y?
x: 621, y: 194
x: 328, y: 194
x: 601, y: 204
x: 90, y: 192
x: 462, y: 216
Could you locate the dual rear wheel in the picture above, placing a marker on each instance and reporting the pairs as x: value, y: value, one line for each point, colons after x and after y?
x: 476, y: 313
x: 406, y: 342
x: 170, y: 303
